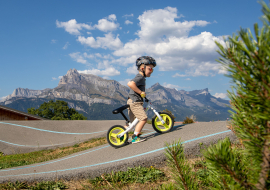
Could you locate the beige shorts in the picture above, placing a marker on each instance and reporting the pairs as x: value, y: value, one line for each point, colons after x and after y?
x: 136, y: 110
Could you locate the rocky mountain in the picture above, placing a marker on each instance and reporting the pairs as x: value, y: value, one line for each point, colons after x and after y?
x: 96, y: 97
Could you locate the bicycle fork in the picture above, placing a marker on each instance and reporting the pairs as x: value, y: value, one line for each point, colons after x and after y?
x: 157, y: 114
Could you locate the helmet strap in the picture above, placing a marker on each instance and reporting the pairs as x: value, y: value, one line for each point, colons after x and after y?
x: 143, y: 71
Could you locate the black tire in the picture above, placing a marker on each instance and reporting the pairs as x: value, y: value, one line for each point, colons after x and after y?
x: 115, y: 141
x: 163, y: 128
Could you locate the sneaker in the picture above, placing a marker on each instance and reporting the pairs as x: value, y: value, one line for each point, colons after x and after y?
x: 137, y: 139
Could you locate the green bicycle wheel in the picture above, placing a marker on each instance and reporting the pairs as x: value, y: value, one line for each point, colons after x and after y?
x: 112, y: 138
x: 163, y: 128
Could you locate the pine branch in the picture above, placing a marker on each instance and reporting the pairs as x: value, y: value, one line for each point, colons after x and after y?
x: 265, y: 166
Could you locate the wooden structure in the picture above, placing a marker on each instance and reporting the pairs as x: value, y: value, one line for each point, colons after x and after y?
x: 12, y: 114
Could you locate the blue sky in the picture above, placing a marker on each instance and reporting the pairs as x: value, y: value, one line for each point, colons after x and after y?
x: 41, y: 40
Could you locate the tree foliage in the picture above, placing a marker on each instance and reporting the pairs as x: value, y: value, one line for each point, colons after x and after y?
x: 57, y: 110
x: 246, y: 58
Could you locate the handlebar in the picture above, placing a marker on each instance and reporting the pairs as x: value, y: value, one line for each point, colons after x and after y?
x: 145, y: 99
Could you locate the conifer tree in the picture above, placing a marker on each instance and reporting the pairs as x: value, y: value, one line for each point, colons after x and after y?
x: 247, y: 60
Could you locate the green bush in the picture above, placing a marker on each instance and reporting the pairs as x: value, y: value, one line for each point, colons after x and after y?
x: 188, y: 120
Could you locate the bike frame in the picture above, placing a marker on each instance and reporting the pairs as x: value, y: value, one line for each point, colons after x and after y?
x: 136, y: 120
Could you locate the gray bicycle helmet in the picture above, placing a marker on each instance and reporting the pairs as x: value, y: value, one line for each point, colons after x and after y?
x: 146, y: 60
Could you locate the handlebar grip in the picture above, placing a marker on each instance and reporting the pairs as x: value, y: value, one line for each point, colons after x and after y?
x: 146, y: 99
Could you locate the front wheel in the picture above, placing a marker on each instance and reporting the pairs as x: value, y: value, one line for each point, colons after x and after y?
x: 112, y: 138
x: 163, y: 128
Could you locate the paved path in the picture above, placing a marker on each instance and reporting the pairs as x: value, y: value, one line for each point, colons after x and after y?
x: 28, y: 136
x: 102, y: 159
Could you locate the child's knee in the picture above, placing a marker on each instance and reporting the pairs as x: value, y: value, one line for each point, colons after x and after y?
x: 144, y: 120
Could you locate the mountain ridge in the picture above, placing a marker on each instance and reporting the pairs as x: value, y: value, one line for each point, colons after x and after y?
x: 87, y: 92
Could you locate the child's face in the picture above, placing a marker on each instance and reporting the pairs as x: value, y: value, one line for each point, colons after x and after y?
x: 149, y: 70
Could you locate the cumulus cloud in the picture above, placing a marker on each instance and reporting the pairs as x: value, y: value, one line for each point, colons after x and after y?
x: 76, y: 56
x: 107, y: 24
x: 132, y: 70
x: 109, y: 41
x: 125, y: 61
x: 157, y: 23
x: 221, y: 95
x: 163, y: 34
x: 168, y: 41
x: 107, y: 72
x: 127, y: 22
x: 73, y: 27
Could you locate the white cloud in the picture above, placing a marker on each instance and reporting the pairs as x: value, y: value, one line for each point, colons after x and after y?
x: 112, y: 17
x: 170, y: 85
x: 157, y: 23
x: 3, y: 98
x: 132, y: 70
x: 173, y: 86
x: 109, y: 41
x: 125, y: 61
x: 73, y: 27
x: 125, y: 16
x: 76, y: 56
x: 53, y: 41
x: 179, y: 75
x: 163, y: 34
x: 221, y: 95
x: 187, y: 79
x: 107, y: 24
x: 128, y: 22
x: 66, y: 45
x: 107, y: 72
x: 58, y: 78
x: 168, y: 41
x: 124, y: 82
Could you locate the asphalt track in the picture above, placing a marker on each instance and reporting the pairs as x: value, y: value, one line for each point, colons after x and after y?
x: 26, y: 136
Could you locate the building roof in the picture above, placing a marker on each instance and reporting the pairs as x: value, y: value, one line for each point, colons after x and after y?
x: 21, y: 113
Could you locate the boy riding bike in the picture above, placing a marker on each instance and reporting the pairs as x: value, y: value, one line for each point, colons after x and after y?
x: 145, y: 65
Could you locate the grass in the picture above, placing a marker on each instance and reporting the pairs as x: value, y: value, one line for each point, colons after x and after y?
x: 134, y: 178
x: 15, y: 160
x: 8, y: 161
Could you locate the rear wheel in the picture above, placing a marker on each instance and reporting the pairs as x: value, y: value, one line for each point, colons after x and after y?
x: 112, y: 138
x: 163, y: 128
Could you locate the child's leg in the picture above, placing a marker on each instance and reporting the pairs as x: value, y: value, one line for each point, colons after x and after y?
x: 137, y: 110
x: 140, y: 126
x: 130, y: 114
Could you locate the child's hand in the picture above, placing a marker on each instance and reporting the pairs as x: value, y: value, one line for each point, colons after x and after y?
x: 143, y: 94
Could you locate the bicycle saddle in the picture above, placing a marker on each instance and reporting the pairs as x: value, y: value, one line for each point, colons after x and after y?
x: 119, y: 110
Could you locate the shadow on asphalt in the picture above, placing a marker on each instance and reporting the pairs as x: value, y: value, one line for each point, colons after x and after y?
x: 175, y: 128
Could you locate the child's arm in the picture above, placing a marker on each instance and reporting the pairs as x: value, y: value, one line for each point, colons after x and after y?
x: 134, y: 87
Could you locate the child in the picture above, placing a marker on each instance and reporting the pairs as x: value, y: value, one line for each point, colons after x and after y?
x: 145, y: 65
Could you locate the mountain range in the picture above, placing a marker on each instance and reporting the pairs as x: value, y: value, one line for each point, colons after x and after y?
x: 96, y: 97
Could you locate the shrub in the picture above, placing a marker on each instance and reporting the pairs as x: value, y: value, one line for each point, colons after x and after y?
x: 188, y: 120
